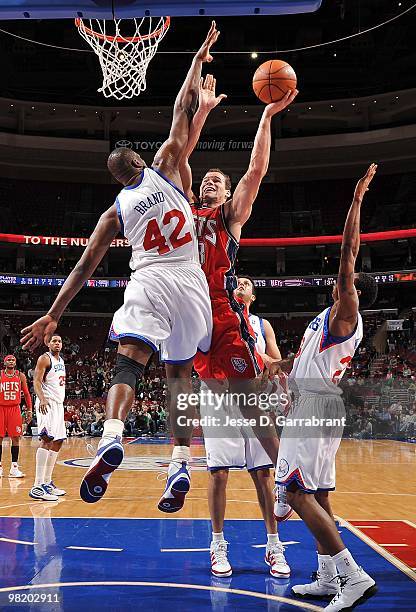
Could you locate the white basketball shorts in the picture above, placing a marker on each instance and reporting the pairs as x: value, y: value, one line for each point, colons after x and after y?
x: 307, y: 452
x: 167, y: 307
x: 229, y: 446
x: 51, y: 424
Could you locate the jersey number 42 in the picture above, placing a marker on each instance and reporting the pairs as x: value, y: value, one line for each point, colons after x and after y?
x: 154, y: 238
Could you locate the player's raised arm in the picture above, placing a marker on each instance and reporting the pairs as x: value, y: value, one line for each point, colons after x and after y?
x: 168, y: 157
x: 106, y: 230
x: 207, y: 101
x: 248, y: 187
x: 345, y: 293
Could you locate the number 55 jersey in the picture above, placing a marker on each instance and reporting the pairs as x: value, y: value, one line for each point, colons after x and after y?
x: 166, y: 302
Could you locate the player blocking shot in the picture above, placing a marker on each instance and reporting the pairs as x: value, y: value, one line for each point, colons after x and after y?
x: 12, y: 385
x: 306, y: 461
x: 166, y: 303
x: 49, y: 383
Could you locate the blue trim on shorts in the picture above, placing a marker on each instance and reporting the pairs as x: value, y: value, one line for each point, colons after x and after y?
x: 115, y: 338
x: 261, y: 467
x: 44, y: 434
x: 300, y: 486
x: 170, y: 183
x: 325, y: 489
x: 177, y: 361
x: 225, y: 467
x: 203, y: 352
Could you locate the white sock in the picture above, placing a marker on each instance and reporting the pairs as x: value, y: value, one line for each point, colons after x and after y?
x: 42, y: 455
x: 345, y: 562
x: 273, y: 538
x: 181, y: 453
x: 326, y: 566
x: 15, y: 464
x: 113, y: 428
x: 50, y: 464
x: 218, y: 537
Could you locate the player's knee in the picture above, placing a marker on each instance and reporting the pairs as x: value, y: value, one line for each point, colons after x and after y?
x: 127, y: 372
x: 296, y: 497
x: 220, y: 477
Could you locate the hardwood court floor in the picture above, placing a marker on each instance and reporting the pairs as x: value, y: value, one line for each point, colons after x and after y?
x: 375, y: 480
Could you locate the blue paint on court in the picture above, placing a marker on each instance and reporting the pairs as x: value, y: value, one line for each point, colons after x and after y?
x: 50, y: 561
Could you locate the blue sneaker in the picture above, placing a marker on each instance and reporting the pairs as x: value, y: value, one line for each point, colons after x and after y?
x: 177, y: 486
x: 109, y: 456
x: 42, y: 493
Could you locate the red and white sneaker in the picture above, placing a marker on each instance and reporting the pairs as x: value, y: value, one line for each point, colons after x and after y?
x: 275, y: 558
x: 282, y: 511
x: 220, y: 565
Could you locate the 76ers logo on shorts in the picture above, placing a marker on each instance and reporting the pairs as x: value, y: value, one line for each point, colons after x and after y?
x: 283, y: 468
x: 239, y: 364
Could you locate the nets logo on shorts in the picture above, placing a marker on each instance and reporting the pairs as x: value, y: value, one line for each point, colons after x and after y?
x: 239, y: 364
x: 18, y: 430
x: 283, y: 468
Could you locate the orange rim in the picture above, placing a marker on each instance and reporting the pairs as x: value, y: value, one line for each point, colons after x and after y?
x: 121, y: 39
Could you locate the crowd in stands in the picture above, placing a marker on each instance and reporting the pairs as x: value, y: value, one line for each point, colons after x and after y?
x: 379, y: 388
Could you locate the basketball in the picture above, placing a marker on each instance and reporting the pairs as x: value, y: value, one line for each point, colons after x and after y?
x: 272, y: 80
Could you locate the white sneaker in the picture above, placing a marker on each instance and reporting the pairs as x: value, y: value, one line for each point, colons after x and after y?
x: 42, y: 493
x: 324, y: 587
x: 55, y: 490
x: 355, y: 589
x: 15, y: 472
x: 219, y: 560
x: 282, y: 511
x: 276, y: 559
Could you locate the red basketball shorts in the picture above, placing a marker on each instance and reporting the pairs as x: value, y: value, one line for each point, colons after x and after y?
x: 10, y: 421
x: 233, y: 352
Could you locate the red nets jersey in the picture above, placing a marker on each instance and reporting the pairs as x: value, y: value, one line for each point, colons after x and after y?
x: 10, y: 389
x: 217, y: 250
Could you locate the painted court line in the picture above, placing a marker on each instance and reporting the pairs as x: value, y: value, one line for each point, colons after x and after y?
x: 93, y: 548
x: 17, y: 541
x: 283, y: 543
x: 169, y: 550
x: 381, y: 544
x: 171, y: 585
x: 382, y: 551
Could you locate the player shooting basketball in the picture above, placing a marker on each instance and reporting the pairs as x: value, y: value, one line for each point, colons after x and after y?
x: 166, y: 303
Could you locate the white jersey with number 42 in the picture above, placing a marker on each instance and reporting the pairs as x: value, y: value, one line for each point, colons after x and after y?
x: 53, y: 383
x: 156, y: 219
x: 322, y: 359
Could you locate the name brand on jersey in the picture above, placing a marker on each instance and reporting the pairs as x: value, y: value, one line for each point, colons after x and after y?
x: 155, y: 198
x: 206, y: 229
x: 9, y: 385
x: 59, y: 367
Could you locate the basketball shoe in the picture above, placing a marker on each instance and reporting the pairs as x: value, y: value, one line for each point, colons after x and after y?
x: 15, y: 472
x: 323, y: 587
x: 275, y: 558
x: 282, y: 510
x: 55, y: 489
x: 220, y: 565
x: 355, y: 589
x: 109, y: 455
x: 177, y: 486
x: 42, y: 493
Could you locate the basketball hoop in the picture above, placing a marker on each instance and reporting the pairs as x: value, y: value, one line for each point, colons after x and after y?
x: 124, y: 58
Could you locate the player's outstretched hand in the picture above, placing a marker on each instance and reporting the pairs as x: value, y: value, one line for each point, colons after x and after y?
x: 364, y: 182
x: 207, y: 97
x: 277, y: 107
x: 43, y: 407
x: 204, y: 52
x: 40, y: 331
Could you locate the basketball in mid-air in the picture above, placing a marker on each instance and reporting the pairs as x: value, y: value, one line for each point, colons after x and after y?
x: 272, y: 80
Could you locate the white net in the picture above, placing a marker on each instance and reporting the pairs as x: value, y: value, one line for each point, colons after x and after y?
x: 124, y: 56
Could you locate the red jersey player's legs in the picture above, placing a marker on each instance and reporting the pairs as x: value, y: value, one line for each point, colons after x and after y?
x: 13, y: 421
x: 2, y: 421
